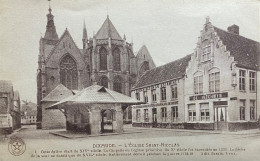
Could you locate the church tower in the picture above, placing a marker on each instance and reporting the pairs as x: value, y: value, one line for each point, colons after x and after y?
x: 46, y: 44
x: 110, y: 54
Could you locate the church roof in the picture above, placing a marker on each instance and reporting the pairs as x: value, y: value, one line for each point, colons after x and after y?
x: 245, y: 51
x: 144, y: 51
x: 97, y: 94
x: 6, y: 86
x: 108, y: 30
x: 169, y: 71
x: 57, y: 94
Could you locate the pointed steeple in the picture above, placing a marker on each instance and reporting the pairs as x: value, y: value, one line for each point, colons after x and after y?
x: 50, y: 33
x: 108, y: 30
x: 85, y: 36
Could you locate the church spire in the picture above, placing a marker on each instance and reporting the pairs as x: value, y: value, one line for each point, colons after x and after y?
x: 50, y: 33
x: 85, y: 36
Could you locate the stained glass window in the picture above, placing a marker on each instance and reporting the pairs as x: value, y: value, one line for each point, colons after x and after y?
x: 118, y: 84
x: 103, y: 59
x: 68, y: 72
x: 116, y: 60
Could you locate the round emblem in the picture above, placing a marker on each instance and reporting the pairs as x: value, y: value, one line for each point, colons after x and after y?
x: 16, y: 146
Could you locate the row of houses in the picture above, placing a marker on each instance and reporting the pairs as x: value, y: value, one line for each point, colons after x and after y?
x: 214, y: 88
x: 10, y: 106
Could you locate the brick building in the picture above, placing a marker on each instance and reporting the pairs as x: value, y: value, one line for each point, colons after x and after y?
x: 106, y: 59
x: 217, y: 89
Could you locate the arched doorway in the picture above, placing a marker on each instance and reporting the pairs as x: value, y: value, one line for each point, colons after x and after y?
x: 107, y: 118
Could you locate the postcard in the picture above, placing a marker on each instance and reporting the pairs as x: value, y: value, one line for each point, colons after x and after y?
x: 129, y: 80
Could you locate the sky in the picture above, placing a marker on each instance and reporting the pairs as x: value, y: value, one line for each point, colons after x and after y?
x: 170, y: 29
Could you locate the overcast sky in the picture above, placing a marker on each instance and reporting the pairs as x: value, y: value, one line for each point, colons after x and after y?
x: 168, y: 28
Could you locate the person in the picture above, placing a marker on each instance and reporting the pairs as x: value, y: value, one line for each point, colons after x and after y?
x: 258, y: 121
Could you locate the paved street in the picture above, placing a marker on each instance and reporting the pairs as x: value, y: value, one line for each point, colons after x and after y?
x: 30, y: 133
x: 41, y: 141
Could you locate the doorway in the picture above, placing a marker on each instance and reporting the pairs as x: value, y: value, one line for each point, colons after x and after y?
x: 107, y: 117
x: 220, y: 118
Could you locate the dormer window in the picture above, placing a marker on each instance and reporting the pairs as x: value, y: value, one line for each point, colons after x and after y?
x: 206, y: 53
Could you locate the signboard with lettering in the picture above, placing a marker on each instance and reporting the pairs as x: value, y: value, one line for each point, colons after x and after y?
x: 156, y: 104
x: 209, y: 96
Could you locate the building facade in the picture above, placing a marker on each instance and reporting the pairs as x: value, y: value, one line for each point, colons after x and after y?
x: 218, y: 86
x: 162, y: 90
x: 9, y: 105
x: 28, y: 113
x: 221, y: 85
x: 106, y: 59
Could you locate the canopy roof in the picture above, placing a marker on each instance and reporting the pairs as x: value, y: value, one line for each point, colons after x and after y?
x: 96, y: 94
x: 58, y: 94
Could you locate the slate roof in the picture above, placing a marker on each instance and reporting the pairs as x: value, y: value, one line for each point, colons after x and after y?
x: 97, y: 94
x: 6, y: 86
x: 169, y: 71
x: 108, y: 30
x: 57, y: 94
x: 245, y: 51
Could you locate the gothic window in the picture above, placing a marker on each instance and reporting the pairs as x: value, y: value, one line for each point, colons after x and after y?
x: 116, y: 60
x: 118, y: 84
x: 68, y: 72
x: 104, y: 81
x: 103, y: 59
x: 144, y: 67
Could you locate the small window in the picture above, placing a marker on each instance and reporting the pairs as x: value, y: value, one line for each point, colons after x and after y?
x: 137, y: 96
x: 198, y: 84
x: 252, y: 78
x: 192, y: 113
x: 206, y: 53
x: 204, y: 112
x: 163, y: 93
x: 145, y: 97
x: 164, y: 114
x: 138, y: 115
x: 174, y: 92
x: 146, y: 118
x: 242, y: 109
x: 174, y: 113
x: 214, y: 82
x: 252, y: 110
x: 154, y: 95
x: 242, y: 80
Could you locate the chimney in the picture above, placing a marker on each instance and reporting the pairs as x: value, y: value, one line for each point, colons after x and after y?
x: 234, y: 29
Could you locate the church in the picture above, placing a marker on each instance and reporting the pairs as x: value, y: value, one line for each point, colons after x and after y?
x: 105, y: 59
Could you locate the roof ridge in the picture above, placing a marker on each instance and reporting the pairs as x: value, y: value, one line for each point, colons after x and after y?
x: 56, y: 45
x: 235, y: 34
x: 169, y: 71
x: 171, y: 62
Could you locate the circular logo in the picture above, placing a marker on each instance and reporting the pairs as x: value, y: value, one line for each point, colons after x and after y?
x: 16, y: 146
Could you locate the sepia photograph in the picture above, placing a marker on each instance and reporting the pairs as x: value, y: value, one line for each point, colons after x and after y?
x: 129, y: 80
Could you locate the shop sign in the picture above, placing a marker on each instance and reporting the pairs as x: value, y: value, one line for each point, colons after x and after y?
x: 209, y: 96
x: 156, y: 104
